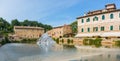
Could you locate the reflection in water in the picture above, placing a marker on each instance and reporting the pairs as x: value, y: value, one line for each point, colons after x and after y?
x: 108, y: 55
x: 27, y: 52
x: 118, y: 56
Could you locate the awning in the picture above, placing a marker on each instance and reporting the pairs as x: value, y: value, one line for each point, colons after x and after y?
x: 88, y: 34
x: 102, y: 34
x: 110, y: 34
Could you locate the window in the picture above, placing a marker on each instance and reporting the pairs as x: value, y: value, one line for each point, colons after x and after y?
x: 88, y: 20
x: 102, y: 28
x: 103, y: 17
x: 111, y: 16
x: 95, y: 29
x: 88, y: 29
x: 95, y: 18
x: 82, y: 20
x: 119, y: 27
x: 111, y: 27
x: 82, y: 30
x: 119, y: 15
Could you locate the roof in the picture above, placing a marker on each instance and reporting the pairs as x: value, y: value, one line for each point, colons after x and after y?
x: 27, y: 27
x: 98, y: 13
x: 103, y: 11
x: 60, y: 26
x: 110, y: 4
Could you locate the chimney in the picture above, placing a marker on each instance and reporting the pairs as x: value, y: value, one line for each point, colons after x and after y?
x: 110, y: 6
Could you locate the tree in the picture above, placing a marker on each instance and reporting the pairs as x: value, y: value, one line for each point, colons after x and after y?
x: 47, y: 27
x: 15, y: 22
x: 5, y: 41
x: 25, y: 23
x: 74, y: 27
x: 4, y: 25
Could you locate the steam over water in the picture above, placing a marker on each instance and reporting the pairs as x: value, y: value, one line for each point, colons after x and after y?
x: 48, y: 50
x: 46, y: 42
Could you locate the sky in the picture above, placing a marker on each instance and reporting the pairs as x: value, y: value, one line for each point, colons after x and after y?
x: 51, y: 12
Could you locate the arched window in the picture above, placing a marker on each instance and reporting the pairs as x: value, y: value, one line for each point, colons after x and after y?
x: 111, y: 16
x: 82, y: 30
x: 103, y: 17
x: 82, y: 21
x: 88, y: 20
x: 95, y: 18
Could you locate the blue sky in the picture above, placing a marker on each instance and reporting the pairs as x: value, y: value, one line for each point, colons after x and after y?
x: 52, y: 12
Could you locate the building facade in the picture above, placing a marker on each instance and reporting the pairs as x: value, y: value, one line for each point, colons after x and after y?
x: 28, y: 32
x: 103, y: 23
x: 60, y: 31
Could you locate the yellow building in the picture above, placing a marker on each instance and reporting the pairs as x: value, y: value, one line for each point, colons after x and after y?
x: 60, y: 31
x: 104, y: 23
x: 28, y: 32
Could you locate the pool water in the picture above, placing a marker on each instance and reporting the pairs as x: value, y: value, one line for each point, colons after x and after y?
x: 29, y: 52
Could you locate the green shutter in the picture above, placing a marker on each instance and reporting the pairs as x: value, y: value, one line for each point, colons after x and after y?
x: 111, y: 27
x: 96, y: 28
x: 103, y: 17
x: 82, y: 30
x: 95, y: 18
x: 102, y: 28
x: 82, y: 20
x: 88, y: 20
x: 88, y: 29
x: 119, y: 27
x: 111, y: 16
x: 119, y: 15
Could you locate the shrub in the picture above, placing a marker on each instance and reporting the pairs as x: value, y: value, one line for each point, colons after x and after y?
x: 62, y: 40
x: 117, y: 43
x: 72, y: 41
x: 96, y: 42
x: 68, y: 41
x: 57, y: 40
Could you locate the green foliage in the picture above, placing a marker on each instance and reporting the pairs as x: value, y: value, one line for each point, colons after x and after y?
x: 69, y: 47
x: 62, y: 40
x: 6, y: 27
x: 72, y: 41
x: 74, y: 27
x: 25, y: 40
x: 5, y: 41
x: 15, y: 22
x: 31, y: 41
x: 96, y: 42
x: 68, y: 41
x: 86, y: 41
x: 117, y: 43
x: 56, y: 40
